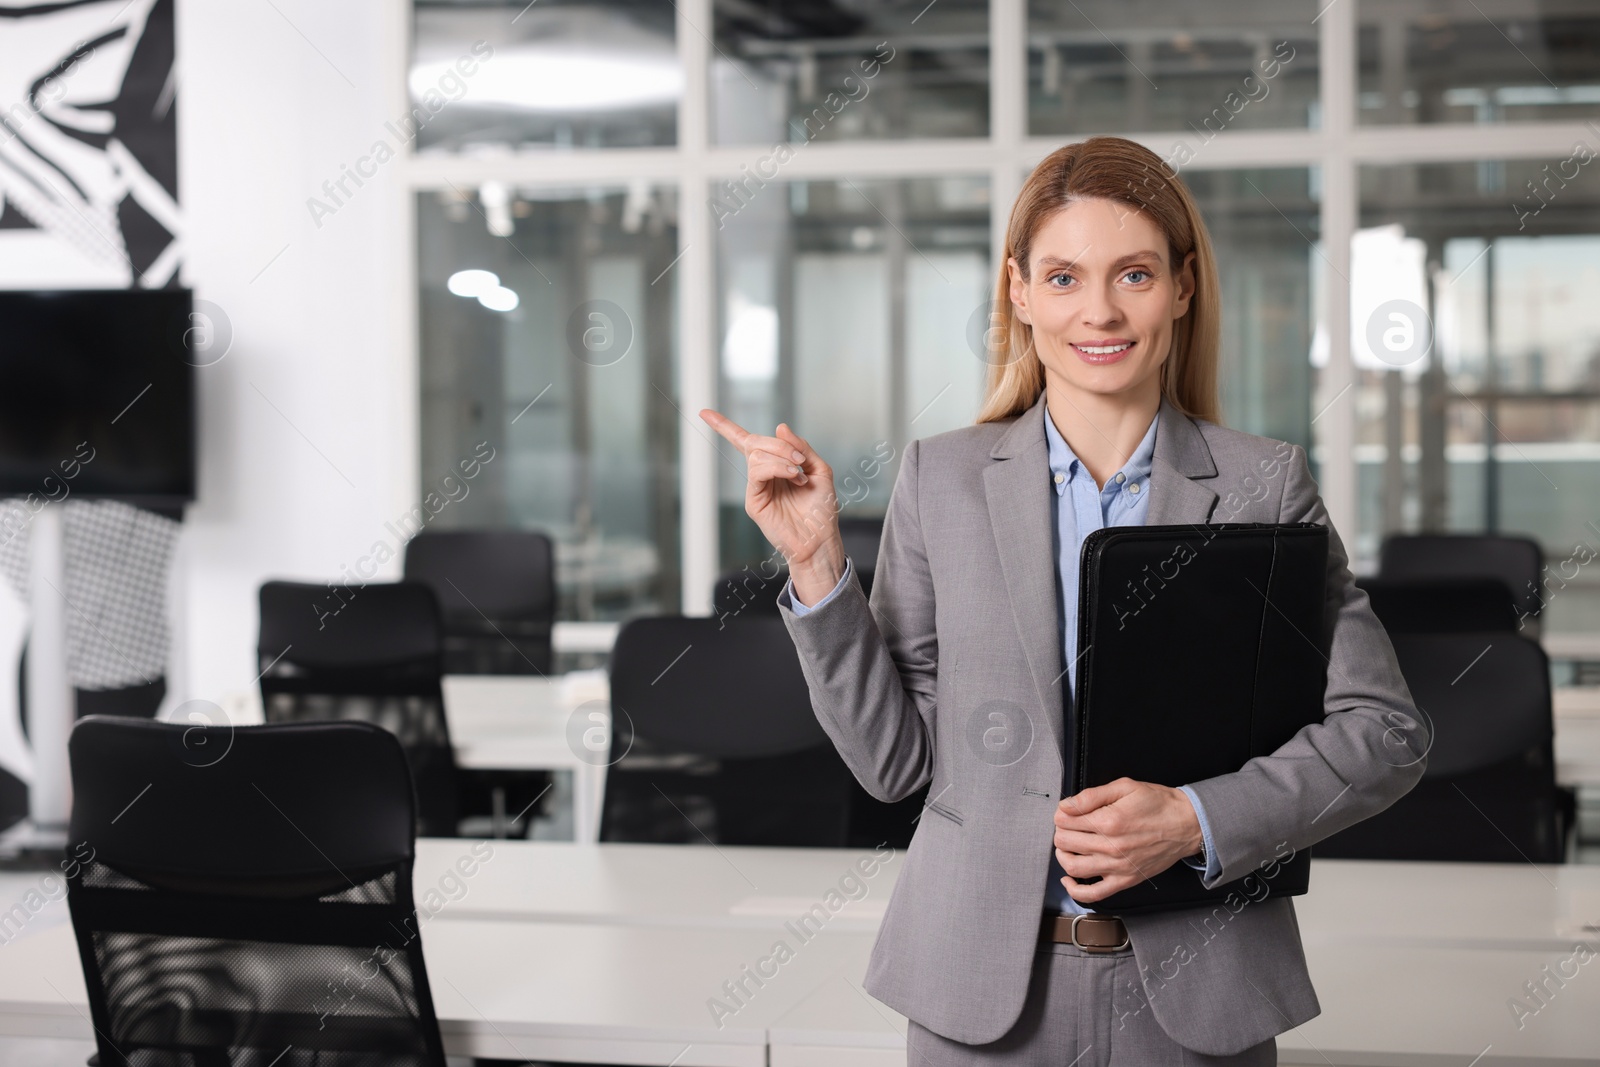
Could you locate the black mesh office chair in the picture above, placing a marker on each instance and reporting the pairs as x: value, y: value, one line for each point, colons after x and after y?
x: 752, y: 590
x: 1489, y: 792
x: 862, y: 536
x: 370, y: 653
x: 748, y: 592
x: 1516, y: 561
x: 243, y: 896
x: 1440, y: 605
x: 713, y: 738
x: 497, y: 595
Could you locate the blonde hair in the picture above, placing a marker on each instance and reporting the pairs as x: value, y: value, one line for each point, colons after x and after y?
x: 1110, y: 168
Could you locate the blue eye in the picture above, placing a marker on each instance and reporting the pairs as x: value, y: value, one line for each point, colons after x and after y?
x: 1136, y: 271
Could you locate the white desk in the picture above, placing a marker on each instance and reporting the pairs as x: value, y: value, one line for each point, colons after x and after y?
x: 1536, y: 908
x: 517, y: 723
x: 1368, y: 958
x: 600, y: 993
x: 651, y: 885
x: 1577, y: 716
x: 506, y: 722
x: 1381, y: 1007
x: 1585, y: 646
x: 611, y: 953
x: 1422, y: 986
x: 1578, y: 752
x: 584, y: 636
x: 1576, y: 702
x: 526, y: 990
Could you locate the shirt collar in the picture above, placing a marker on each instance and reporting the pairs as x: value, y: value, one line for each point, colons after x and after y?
x: 1065, y: 462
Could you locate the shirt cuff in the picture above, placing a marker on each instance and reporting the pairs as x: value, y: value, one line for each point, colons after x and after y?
x: 801, y: 609
x: 1207, y: 862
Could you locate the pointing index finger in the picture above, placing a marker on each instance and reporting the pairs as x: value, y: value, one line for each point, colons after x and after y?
x: 735, y: 434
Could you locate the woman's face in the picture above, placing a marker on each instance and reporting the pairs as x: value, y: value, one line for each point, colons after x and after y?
x: 1098, y: 278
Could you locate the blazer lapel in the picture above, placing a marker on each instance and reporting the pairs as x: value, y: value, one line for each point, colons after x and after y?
x: 1019, y: 515
x: 1181, y: 455
x: 1017, y: 488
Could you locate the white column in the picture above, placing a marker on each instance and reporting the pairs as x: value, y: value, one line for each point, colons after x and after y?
x: 1008, y: 116
x: 697, y: 347
x: 50, y: 700
x: 1335, y: 429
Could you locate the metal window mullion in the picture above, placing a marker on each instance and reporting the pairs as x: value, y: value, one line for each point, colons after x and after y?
x: 697, y: 369
x: 1008, y: 115
x: 1334, y: 405
x: 1452, y: 142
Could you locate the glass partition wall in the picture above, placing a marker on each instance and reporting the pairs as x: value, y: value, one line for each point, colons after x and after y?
x: 551, y: 344
x: 626, y: 212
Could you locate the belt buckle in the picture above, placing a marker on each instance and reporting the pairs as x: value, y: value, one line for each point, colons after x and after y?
x: 1126, y: 940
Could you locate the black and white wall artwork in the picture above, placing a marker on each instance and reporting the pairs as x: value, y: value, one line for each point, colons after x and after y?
x: 88, y: 200
x: 88, y: 145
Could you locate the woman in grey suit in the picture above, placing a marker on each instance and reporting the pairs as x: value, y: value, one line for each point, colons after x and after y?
x: 1100, y: 410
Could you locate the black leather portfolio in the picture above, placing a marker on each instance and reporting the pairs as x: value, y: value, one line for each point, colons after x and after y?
x: 1200, y: 647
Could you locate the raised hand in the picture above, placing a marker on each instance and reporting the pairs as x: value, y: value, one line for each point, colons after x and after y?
x: 789, y: 494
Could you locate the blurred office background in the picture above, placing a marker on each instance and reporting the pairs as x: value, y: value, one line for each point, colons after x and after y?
x: 546, y: 235
x: 564, y: 228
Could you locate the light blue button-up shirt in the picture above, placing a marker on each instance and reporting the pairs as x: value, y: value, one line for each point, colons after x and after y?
x: 1080, y: 507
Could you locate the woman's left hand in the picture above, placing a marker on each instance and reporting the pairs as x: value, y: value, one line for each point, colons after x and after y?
x: 1124, y: 831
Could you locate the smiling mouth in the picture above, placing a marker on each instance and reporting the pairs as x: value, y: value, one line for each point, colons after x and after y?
x: 1103, y: 350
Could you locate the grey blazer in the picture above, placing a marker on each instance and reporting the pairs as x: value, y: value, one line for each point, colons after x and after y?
x: 962, y: 614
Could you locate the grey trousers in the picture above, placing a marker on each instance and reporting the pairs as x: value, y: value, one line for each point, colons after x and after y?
x: 1082, y: 1011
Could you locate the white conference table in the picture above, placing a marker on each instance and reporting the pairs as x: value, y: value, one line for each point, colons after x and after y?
x: 613, y: 953
x: 1532, y: 907
x: 651, y: 885
x: 517, y: 723
x: 562, y: 724
x: 585, y: 992
x: 1381, y: 1007
x: 1577, y: 720
x: 1571, y: 646
x: 527, y: 723
x: 1421, y: 986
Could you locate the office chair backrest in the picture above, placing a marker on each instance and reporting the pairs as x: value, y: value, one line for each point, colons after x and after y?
x: 370, y: 653
x: 241, y: 894
x: 1489, y: 792
x: 748, y: 592
x: 751, y: 591
x: 862, y: 536
x: 713, y: 737
x: 497, y: 595
x: 1487, y: 693
x: 1516, y: 561
x: 1440, y: 605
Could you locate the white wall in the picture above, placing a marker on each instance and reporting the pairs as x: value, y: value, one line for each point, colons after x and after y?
x: 325, y: 334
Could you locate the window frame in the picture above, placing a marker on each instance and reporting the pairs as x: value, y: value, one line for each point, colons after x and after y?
x: 1338, y: 147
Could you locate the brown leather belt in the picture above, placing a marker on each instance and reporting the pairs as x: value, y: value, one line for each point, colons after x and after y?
x: 1092, y: 933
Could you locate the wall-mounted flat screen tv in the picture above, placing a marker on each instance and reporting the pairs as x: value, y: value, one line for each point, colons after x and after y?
x: 97, y: 394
